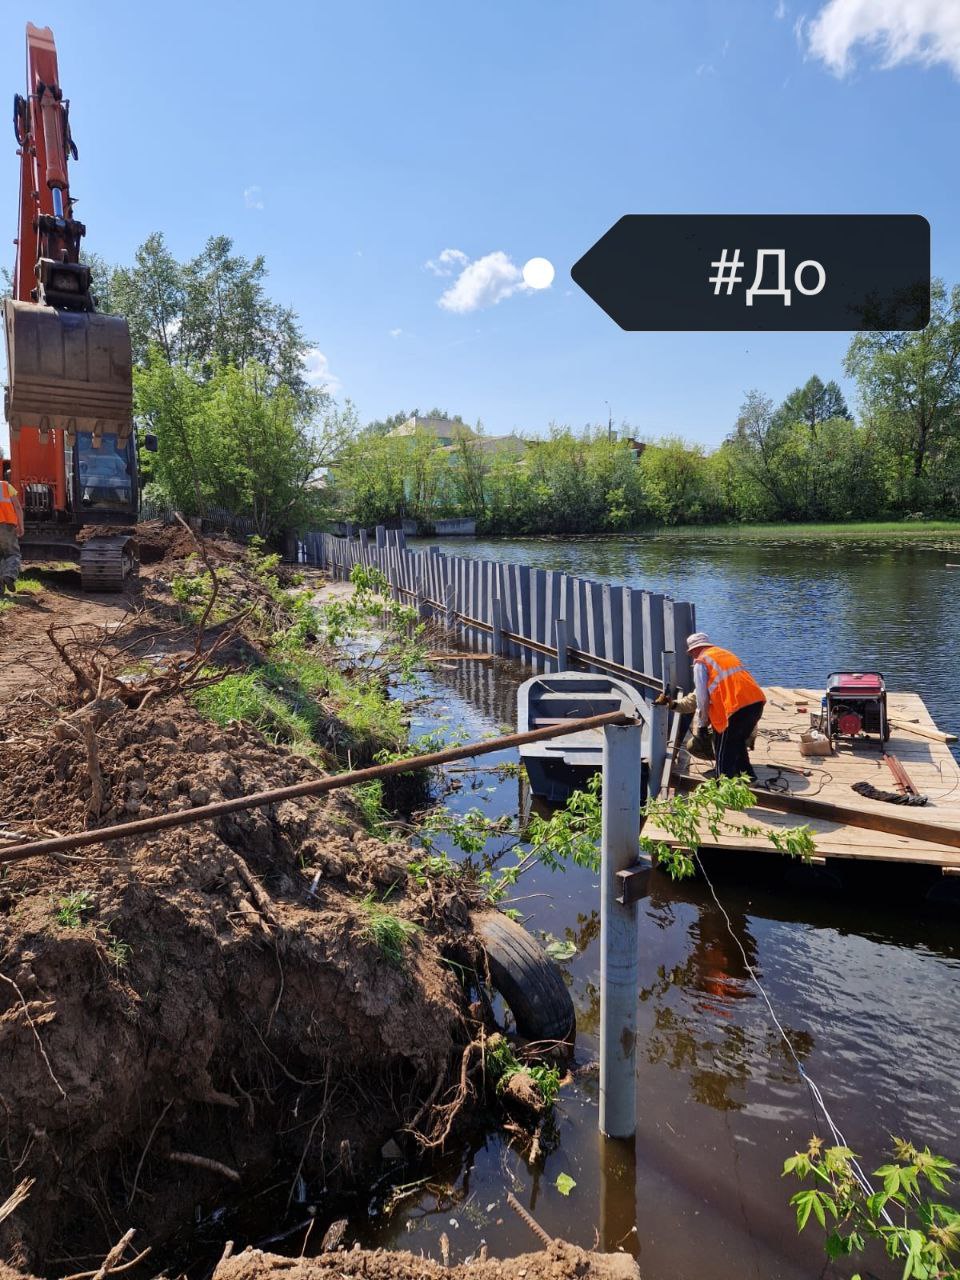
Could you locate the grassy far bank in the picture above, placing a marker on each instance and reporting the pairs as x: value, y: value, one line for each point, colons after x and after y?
x: 861, y: 530
x: 894, y: 530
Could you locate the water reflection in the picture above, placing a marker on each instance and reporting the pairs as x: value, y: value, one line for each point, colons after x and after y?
x: 696, y: 1027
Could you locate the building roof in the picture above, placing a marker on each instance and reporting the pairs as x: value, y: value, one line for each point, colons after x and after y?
x: 496, y: 444
x: 440, y: 428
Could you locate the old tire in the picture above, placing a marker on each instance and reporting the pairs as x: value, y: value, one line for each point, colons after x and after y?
x: 531, y: 984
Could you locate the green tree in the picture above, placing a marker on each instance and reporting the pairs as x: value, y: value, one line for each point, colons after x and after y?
x: 239, y: 440
x: 675, y: 480
x: 753, y: 445
x: 211, y: 311
x: 152, y: 295
x: 813, y: 403
x: 368, y: 476
x: 910, y: 388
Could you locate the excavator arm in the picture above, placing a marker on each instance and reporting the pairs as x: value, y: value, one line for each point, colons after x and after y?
x: 69, y: 369
x: 69, y: 397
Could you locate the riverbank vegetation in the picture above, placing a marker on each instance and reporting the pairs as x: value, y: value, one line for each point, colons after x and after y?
x: 229, y: 383
x: 808, y: 459
x: 234, y: 390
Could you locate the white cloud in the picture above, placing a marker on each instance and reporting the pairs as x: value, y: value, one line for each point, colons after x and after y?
x: 781, y: 11
x: 395, y: 333
x: 483, y: 283
x: 448, y: 262
x: 253, y: 197
x: 923, y: 31
x: 317, y: 371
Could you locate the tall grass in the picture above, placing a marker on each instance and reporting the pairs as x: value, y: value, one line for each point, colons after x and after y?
x: 392, y: 934
x: 246, y: 697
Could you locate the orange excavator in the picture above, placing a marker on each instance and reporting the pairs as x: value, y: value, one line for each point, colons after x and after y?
x: 69, y: 395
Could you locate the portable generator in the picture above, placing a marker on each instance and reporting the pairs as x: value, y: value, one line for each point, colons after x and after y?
x: 855, y: 704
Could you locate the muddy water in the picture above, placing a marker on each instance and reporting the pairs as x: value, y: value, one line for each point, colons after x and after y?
x: 867, y: 987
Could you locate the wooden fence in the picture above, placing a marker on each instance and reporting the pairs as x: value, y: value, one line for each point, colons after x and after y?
x: 549, y: 620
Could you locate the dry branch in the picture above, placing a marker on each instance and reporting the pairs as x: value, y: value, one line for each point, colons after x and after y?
x: 43, y: 1053
x: 204, y: 1162
x: 16, y: 1198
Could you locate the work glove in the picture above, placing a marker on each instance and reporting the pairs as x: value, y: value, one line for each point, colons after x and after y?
x: 664, y: 700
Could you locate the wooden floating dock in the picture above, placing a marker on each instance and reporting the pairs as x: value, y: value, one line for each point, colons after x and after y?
x: 915, y: 741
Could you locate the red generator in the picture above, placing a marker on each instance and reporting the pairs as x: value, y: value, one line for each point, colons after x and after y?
x: 856, y: 704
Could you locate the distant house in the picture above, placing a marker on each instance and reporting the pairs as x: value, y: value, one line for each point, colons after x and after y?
x: 495, y: 446
x: 444, y: 430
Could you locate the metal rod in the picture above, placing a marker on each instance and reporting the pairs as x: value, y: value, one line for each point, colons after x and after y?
x: 618, y: 931
x: 315, y: 787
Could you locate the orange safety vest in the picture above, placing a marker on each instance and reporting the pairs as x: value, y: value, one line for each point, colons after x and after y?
x: 731, y: 686
x: 8, y: 512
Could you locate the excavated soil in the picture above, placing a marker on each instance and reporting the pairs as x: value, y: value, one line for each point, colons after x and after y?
x: 559, y: 1261
x: 158, y: 541
x: 204, y: 1016
x: 189, y: 994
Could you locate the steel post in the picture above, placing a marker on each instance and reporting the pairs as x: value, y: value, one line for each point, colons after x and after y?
x: 618, y: 931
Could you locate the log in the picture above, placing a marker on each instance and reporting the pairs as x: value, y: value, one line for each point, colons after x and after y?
x: 892, y: 824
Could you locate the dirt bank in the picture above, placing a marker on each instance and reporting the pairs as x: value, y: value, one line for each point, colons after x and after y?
x: 190, y: 996
x: 558, y: 1262
x: 262, y: 1005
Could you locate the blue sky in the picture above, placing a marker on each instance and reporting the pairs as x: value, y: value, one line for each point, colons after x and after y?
x: 352, y: 143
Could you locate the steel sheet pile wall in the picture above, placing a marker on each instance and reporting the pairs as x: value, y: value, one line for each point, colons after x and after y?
x: 545, y: 619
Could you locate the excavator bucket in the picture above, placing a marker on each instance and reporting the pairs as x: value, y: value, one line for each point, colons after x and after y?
x: 70, y: 370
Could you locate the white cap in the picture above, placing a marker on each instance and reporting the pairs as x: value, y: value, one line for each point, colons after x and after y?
x: 697, y: 641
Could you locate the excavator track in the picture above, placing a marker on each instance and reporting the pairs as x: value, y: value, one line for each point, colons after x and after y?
x: 108, y: 563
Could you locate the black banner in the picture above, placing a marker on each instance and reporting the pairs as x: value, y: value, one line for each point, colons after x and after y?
x: 761, y: 272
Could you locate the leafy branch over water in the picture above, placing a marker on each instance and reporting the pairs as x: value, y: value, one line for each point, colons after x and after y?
x: 910, y: 1224
x: 573, y: 833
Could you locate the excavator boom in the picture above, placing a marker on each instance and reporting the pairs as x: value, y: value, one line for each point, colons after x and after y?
x: 69, y: 398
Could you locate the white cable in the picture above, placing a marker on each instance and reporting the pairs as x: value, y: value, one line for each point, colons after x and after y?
x: 865, y: 1184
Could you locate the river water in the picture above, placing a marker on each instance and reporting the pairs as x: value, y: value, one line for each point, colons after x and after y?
x: 867, y: 988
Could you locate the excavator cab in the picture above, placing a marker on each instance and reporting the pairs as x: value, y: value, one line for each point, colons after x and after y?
x: 105, y: 478
x: 69, y: 398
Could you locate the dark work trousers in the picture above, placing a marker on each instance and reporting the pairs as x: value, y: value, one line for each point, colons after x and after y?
x: 732, y: 758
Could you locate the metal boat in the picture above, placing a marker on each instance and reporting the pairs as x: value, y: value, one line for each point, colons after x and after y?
x: 558, y: 766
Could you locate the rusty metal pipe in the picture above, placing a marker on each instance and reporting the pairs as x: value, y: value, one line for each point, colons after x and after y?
x: 315, y: 787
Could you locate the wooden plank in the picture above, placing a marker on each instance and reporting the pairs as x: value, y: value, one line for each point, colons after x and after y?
x: 553, y: 613
x: 506, y: 612
x: 476, y: 601
x: 523, y: 627
x: 560, y: 643
x: 488, y: 592
x: 935, y: 735
x: 595, y: 636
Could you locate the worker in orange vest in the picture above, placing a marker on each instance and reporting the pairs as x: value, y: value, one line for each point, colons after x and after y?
x: 11, y: 531
x: 725, y: 698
